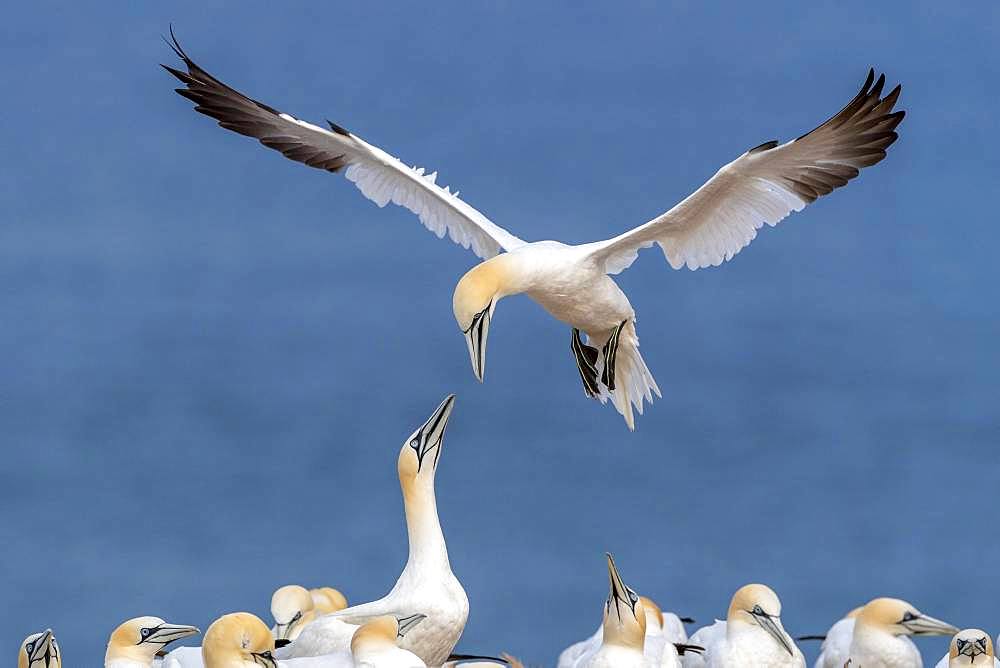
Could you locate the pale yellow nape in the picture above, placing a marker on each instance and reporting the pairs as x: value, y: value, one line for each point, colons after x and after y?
x: 378, y: 632
x: 747, y: 596
x: 971, y: 635
x: 233, y: 638
x: 327, y: 599
x: 485, y: 282
x: 651, y: 606
x: 883, y: 613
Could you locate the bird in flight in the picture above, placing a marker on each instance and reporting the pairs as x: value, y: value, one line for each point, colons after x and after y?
x: 574, y: 282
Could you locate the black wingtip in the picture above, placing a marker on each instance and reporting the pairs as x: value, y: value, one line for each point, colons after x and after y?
x: 338, y: 129
x: 282, y: 642
x: 476, y: 657
x: 687, y: 620
x: 816, y: 637
x: 684, y: 648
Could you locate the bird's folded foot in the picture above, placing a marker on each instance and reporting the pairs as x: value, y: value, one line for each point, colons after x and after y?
x: 610, y: 351
x: 586, y: 364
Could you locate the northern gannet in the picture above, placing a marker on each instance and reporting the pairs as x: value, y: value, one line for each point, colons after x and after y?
x: 880, y: 634
x: 426, y: 585
x: 236, y: 640
x: 327, y: 599
x: 836, y: 647
x: 752, y: 635
x: 662, y: 629
x: 573, y: 283
x: 292, y: 609
x: 136, y: 642
x: 970, y: 647
x: 375, y: 643
x: 39, y: 650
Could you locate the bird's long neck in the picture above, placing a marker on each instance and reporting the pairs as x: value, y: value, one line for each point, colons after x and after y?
x: 427, y: 546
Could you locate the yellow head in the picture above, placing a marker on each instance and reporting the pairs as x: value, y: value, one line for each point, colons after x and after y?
x: 653, y: 612
x: 475, y: 298
x: 900, y: 618
x: 40, y: 650
x: 381, y: 632
x: 624, y: 616
x: 418, y: 458
x: 238, y: 640
x: 969, y: 647
x: 139, y: 639
x: 327, y: 599
x: 290, y: 607
x: 757, y: 604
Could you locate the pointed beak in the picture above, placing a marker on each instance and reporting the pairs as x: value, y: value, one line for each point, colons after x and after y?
x: 264, y: 659
x: 45, y: 650
x: 406, y: 624
x: 773, y: 628
x: 475, y: 339
x: 430, y: 437
x: 168, y: 633
x: 620, y: 593
x: 925, y: 625
x: 281, y: 631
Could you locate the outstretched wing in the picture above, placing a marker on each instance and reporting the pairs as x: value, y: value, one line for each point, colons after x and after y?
x: 380, y: 177
x: 764, y: 185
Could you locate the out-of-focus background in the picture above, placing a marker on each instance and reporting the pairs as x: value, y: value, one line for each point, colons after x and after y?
x: 211, y: 355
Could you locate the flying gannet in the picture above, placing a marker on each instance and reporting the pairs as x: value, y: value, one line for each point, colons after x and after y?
x: 573, y: 283
x: 752, y: 635
x: 137, y: 642
x: 662, y: 629
x: 292, y: 608
x: 836, y: 647
x: 880, y: 634
x: 39, y: 650
x: 426, y: 585
x: 970, y: 647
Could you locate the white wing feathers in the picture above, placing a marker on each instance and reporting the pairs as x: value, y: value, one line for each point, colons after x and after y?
x: 381, y: 177
x: 764, y: 185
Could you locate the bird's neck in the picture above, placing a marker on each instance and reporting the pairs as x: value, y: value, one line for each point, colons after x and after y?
x: 130, y: 657
x: 427, y: 546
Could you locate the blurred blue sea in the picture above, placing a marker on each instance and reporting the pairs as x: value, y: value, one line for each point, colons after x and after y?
x: 209, y: 355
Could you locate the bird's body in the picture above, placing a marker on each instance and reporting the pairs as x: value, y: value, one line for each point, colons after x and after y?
x: 663, y: 630
x: 836, y: 647
x: 573, y: 283
x: 875, y: 648
x: 427, y: 584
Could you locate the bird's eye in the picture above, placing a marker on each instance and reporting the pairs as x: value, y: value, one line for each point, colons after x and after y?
x: 757, y: 610
x: 144, y: 632
x: 29, y: 648
x: 909, y: 617
x: 959, y: 643
x: 415, y: 443
x: 982, y: 643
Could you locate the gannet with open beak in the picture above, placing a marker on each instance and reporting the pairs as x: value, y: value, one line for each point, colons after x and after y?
x: 662, y: 629
x: 970, y: 647
x: 39, y: 650
x: 880, y: 634
x: 427, y: 584
x: 136, y: 642
x: 573, y: 283
x: 752, y: 635
x: 292, y: 608
x: 836, y: 647
x: 327, y: 599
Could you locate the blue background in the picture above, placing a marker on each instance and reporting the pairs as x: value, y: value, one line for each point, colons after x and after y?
x: 211, y: 355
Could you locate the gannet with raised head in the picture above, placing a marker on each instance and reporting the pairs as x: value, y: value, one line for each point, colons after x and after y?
x: 136, y: 642
x: 752, y: 635
x: 836, y: 647
x: 662, y: 628
x: 880, y: 634
x: 292, y: 609
x: 327, y: 599
x: 573, y: 283
x: 427, y: 584
x: 39, y: 650
x: 970, y: 647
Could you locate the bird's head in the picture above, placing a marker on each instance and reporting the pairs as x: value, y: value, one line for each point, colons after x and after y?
x: 327, y: 599
x: 140, y: 638
x: 901, y: 618
x: 418, y: 458
x: 40, y: 650
x: 238, y: 640
x: 757, y: 605
x: 474, y: 301
x: 289, y: 606
x: 624, y: 616
x: 971, y: 647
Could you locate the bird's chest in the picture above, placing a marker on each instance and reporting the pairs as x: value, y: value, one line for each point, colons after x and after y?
x: 591, y: 303
x: 447, y: 609
x: 761, y: 655
x: 617, y: 657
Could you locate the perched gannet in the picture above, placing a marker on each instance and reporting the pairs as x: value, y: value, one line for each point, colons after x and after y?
x: 752, y: 635
x: 426, y: 585
x: 573, y: 283
x: 374, y: 643
x: 136, y: 642
x: 880, y: 629
x: 971, y: 647
x: 836, y: 647
x: 662, y: 628
x: 327, y: 599
x: 292, y: 609
x: 39, y: 650
x: 236, y: 640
